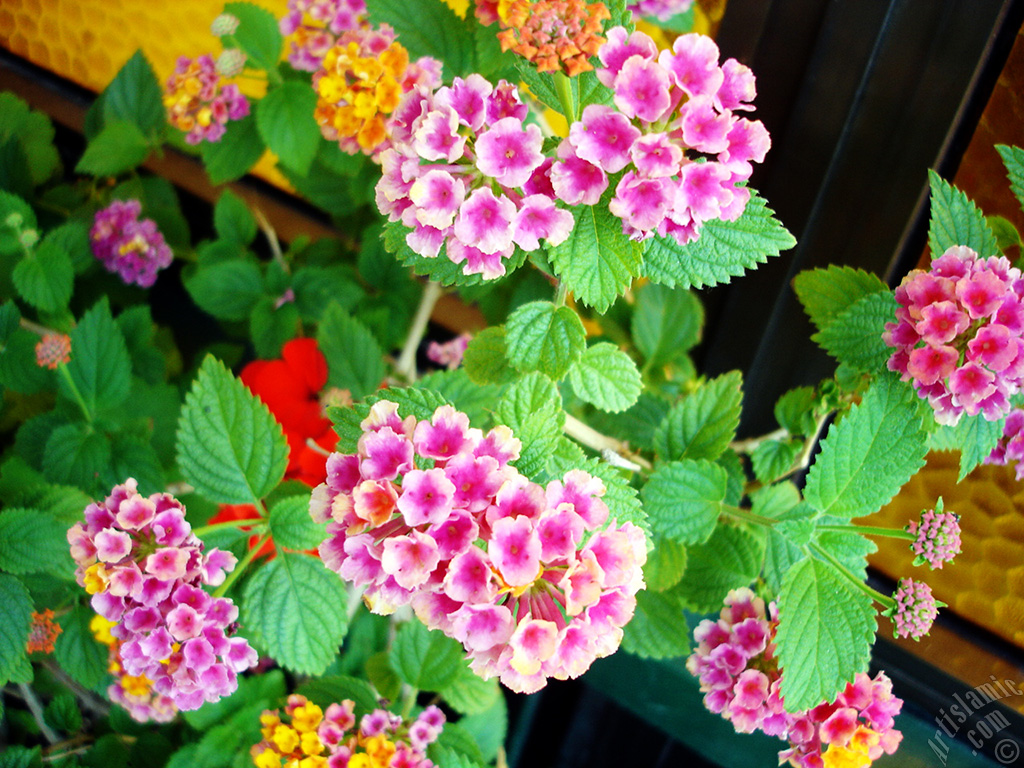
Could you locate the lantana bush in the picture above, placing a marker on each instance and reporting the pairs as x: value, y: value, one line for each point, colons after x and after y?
x: 246, y: 496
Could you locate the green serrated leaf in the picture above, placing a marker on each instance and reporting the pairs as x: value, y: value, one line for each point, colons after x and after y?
x: 295, y: 608
x: 99, y: 365
x: 731, y: 558
x: 597, y: 261
x: 703, y: 423
x: 826, y: 293
x: 658, y: 629
x: 666, y: 323
x: 848, y: 547
x: 665, y: 564
x: 826, y: 629
x: 354, y: 359
x: 725, y: 249
x: 272, y: 326
x: 474, y: 400
x: 45, y: 278
x: 286, y: 124
x: 955, y: 220
x: 637, y: 425
x: 1013, y: 159
x: 1005, y: 232
x: 488, y: 728
x: 63, y: 713
x: 78, y: 455
x: 870, y: 454
x: 118, y: 148
x: 683, y: 499
x: 532, y: 409
x: 133, y: 456
x: 542, y: 337
x: 324, y: 691
x: 236, y: 152
x: 439, y: 269
x: 606, y: 377
x: 32, y: 542
x: 230, y: 448
x: 412, y: 401
x: 425, y: 659
x: 9, y: 237
x: 268, y: 688
x: 233, y: 220
x: 470, y: 694
x: 855, y: 336
x: 774, y: 458
x: 974, y: 437
x: 16, y: 608
x: 228, y: 290
x: 32, y: 133
x: 794, y: 411
x: 317, y: 287
x: 135, y: 96
x: 258, y: 34
x: 21, y: 757
x: 291, y: 525
x: 486, y: 358
x: 429, y: 29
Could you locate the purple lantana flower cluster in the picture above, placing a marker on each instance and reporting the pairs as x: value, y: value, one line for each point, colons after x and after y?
x: 937, y: 537
x: 465, y: 172
x: 740, y: 677
x: 145, y: 570
x: 535, y: 582
x: 127, y: 245
x: 915, y: 609
x: 313, y: 27
x: 958, y: 334
x: 673, y: 134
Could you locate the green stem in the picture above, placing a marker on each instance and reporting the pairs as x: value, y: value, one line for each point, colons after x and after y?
x: 563, y: 87
x: 868, y: 530
x: 560, y: 293
x: 240, y: 568
x: 63, y: 368
x: 874, y: 594
x: 747, y: 516
x: 256, y: 524
x: 409, y: 695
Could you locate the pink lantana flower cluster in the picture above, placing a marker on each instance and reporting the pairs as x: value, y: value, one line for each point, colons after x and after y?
x: 313, y: 27
x: 534, y: 582
x: 662, y: 10
x: 958, y: 334
x: 739, y: 675
x: 915, y: 609
x: 1011, y: 445
x: 127, y: 245
x: 199, y: 103
x: 145, y: 570
x: 673, y: 134
x: 449, y: 353
x: 465, y: 172
x: 937, y: 535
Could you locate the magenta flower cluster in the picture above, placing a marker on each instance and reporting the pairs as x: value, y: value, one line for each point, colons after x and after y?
x: 958, y: 334
x: 467, y: 173
x: 198, y: 103
x: 313, y: 28
x: 1011, y: 445
x: 739, y: 676
x: 533, y: 581
x: 449, y: 354
x: 915, y: 609
x: 127, y: 245
x: 145, y: 570
x: 937, y: 537
x: 673, y: 133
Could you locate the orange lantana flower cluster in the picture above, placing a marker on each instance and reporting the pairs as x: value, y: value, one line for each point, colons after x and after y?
x: 43, y: 632
x: 556, y: 35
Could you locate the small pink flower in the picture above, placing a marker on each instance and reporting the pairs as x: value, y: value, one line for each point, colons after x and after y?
x: 437, y: 196
x: 485, y: 221
x: 576, y: 181
x: 410, y: 558
x: 618, y: 48
x: 642, y: 89
x: 509, y: 152
x: 515, y: 550
x: 915, y: 609
x: 603, y: 137
x: 167, y: 563
x: 642, y: 203
x: 703, y: 128
x: 693, y: 65
x: 426, y: 497
x: 539, y: 218
x: 655, y: 155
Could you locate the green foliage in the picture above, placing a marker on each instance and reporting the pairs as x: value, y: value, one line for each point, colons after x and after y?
x: 854, y: 337
x: 257, y: 35
x: 724, y: 249
x: 703, y: 423
x: 285, y: 121
x: 666, y: 323
x: 291, y: 525
x: 230, y: 448
x: 731, y: 558
x: 532, y: 409
x: 354, y: 359
x: 430, y: 29
x: 542, y: 337
x: 236, y: 152
x: 684, y: 499
x: 474, y: 400
x: 227, y: 289
x: 665, y: 564
x: 326, y: 690
x: 31, y: 542
x: 99, y: 365
x: 295, y: 610
x: 870, y: 454
x: 439, y: 269
x: 827, y: 293
x: 427, y: 660
x: 16, y: 608
x: 795, y: 411
x: 606, y: 377
x: 658, y: 629
x: 597, y: 261
x: 135, y: 96
x: 233, y: 220
x: 118, y: 148
x: 77, y: 454
x: 774, y: 458
x: 975, y: 438
x: 470, y: 694
x: 31, y: 134
x: 826, y: 628
x: 12, y: 206
x: 955, y: 220
x: 1013, y: 159
x: 486, y: 357
x: 45, y: 277
x: 63, y: 713
x: 488, y: 728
